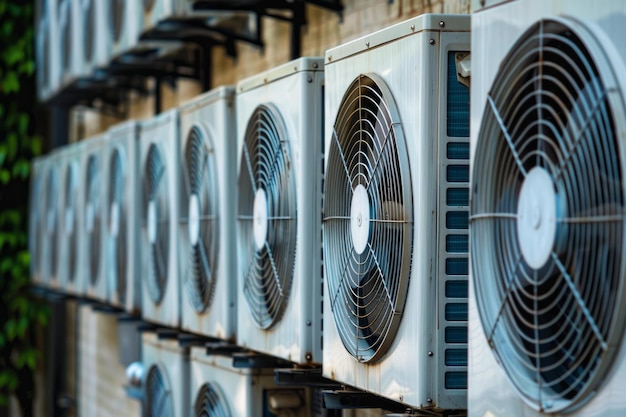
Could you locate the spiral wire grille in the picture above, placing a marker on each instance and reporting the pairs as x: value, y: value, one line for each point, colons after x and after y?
x: 210, y: 403
x: 93, y: 207
x: 265, y: 167
x: 89, y: 29
x: 52, y: 220
x: 158, y: 399
x: 202, y: 249
x: 70, y: 219
x: 555, y: 327
x: 156, y: 192
x: 368, y: 285
x: 117, y: 261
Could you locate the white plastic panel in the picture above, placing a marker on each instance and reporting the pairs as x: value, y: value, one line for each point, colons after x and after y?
x: 162, y: 132
x: 491, y: 392
x: 412, y: 60
x: 295, y: 90
x: 213, y: 114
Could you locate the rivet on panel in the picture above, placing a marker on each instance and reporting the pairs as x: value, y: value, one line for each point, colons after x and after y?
x: 442, y: 24
x: 430, y: 353
x: 412, y: 28
x: 309, y: 79
x: 432, y: 41
x: 367, y: 44
x: 315, y: 65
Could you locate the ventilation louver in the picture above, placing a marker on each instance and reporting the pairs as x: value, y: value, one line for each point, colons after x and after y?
x: 156, y: 222
x: 158, y: 400
x: 266, y: 217
x: 210, y: 403
x: 367, y: 219
x: 93, y: 203
x: 547, y: 216
x: 117, y: 251
x: 201, y: 220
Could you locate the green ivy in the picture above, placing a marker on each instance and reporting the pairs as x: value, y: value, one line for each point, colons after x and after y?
x: 20, y: 313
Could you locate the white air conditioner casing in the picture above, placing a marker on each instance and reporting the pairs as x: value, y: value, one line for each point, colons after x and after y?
x: 165, y: 375
x: 404, y: 126
x: 122, y: 217
x: 125, y: 25
x: 218, y: 388
x: 71, y: 251
x: 159, y: 146
x: 37, y: 216
x: 91, y: 37
x: 49, y: 276
x: 93, y: 208
x: 207, y: 214
x: 502, y: 380
x: 46, y: 48
x: 291, y: 94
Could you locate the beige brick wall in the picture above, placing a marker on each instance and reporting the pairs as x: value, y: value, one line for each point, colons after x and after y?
x: 100, y: 374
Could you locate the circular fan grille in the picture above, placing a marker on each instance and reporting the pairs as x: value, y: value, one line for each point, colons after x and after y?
x: 200, y: 224
x: 156, y: 222
x: 93, y: 202
x: 209, y: 403
x: 52, y: 224
x: 547, y: 216
x: 89, y: 28
x: 368, y: 219
x: 70, y: 219
x: 66, y: 34
x: 118, y: 13
x: 158, y: 399
x: 116, y: 246
x: 266, y: 217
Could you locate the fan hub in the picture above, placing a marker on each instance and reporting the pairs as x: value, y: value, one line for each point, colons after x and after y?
x: 360, y: 218
x: 115, y: 219
x: 536, y: 217
x: 194, y: 219
x: 260, y: 225
x: 152, y: 222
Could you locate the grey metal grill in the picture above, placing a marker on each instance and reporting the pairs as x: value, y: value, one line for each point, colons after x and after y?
x: 156, y: 193
x: 210, y: 402
x: 266, y: 217
x: 548, y: 270
x: 158, y: 399
x: 70, y: 219
x: 368, y: 219
x: 117, y: 255
x: 199, y: 223
x: 93, y: 207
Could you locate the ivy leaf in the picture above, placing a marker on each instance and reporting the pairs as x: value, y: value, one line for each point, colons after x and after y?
x: 10, y: 83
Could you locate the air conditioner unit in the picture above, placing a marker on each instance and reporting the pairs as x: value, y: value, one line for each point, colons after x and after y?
x: 125, y: 25
x: 71, y: 249
x: 91, y: 39
x: 121, y: 217
x: 160, y: 165
x: 165, y: 378
x: 49, y: 275
x: 63, y: 50
x: 219, y: 389
x: 93, y: 194
x: 547, y: 296
x: 395, y: 213
x: 37, y: 216
x: 47, y: 51
x: 279, y: 128
x: 207, y: 214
